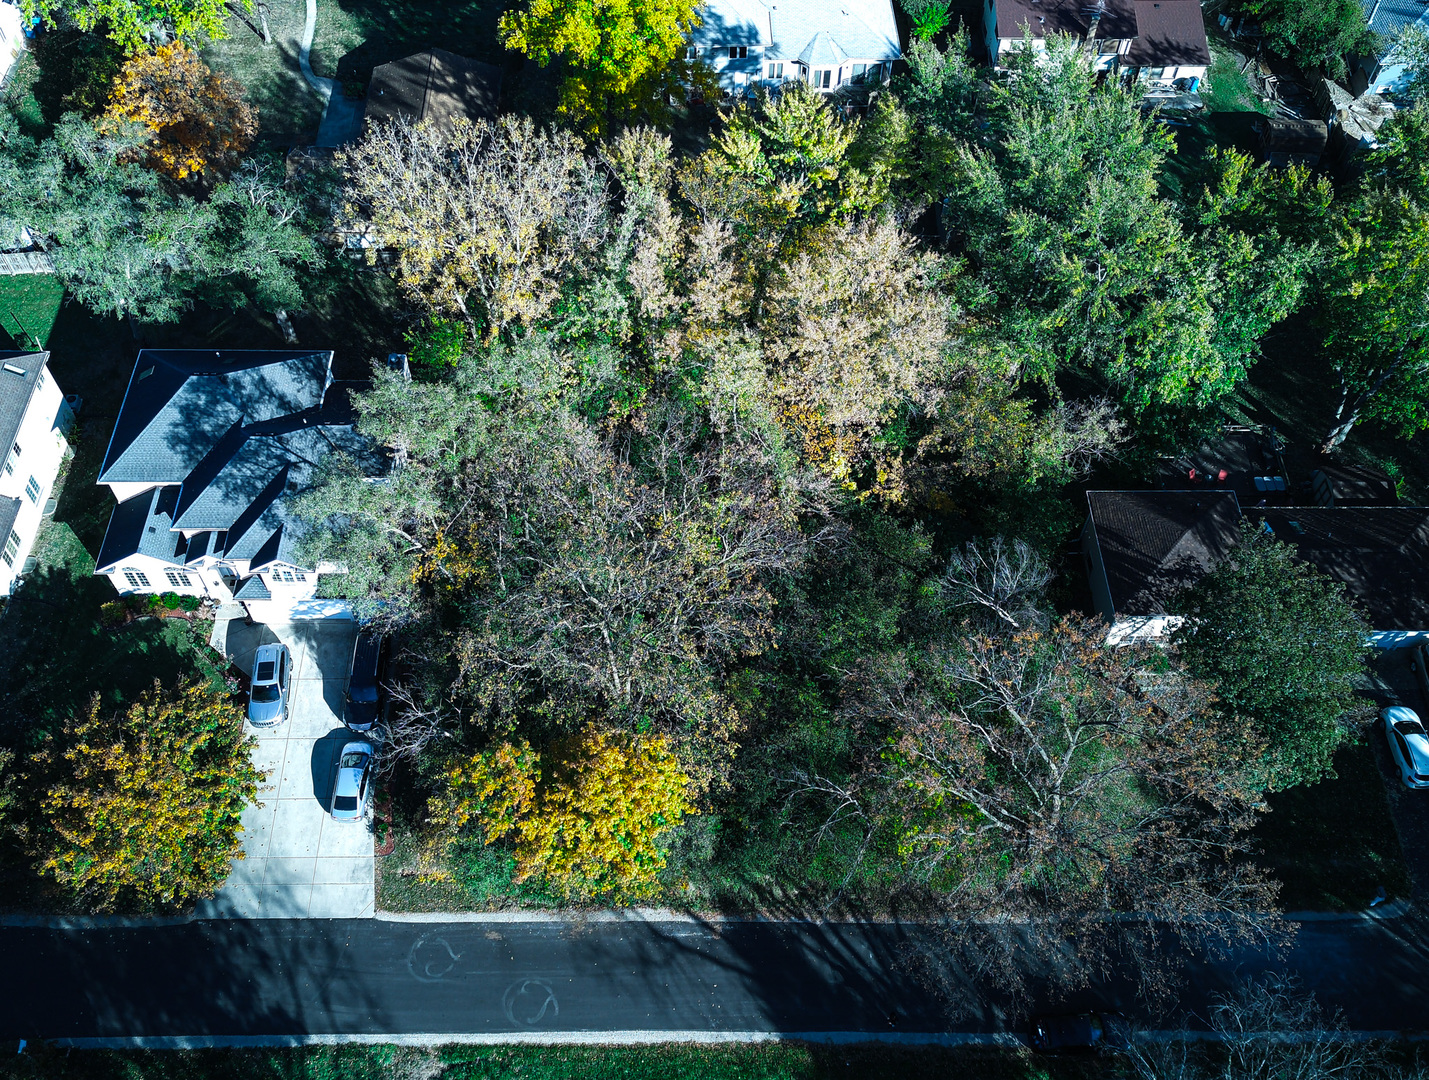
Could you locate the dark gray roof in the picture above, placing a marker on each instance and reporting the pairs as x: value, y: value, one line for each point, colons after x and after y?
x: 1390, y: 17
x: 181, y: 403
x: 1156, y: 543
x: 1048, y: 17
x: 142, y: 525
x: 253, y: 589
x: 434, y: 85
x: 19, y: 373
x: 9, y: 511
x: 1169, y: 32
x: 1380, y: 553
x: 1353, y: 485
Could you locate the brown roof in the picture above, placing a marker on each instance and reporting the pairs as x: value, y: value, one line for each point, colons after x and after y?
x: 1047, y: 17
x: 1380, y: 553
x: 1169, y: 32
x: 1156, y: 543
x: 434, y: 85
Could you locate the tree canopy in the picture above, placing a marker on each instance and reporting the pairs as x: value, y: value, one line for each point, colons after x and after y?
x: 141, y: 807
x: 1284, y: 646
x: 133, y: 23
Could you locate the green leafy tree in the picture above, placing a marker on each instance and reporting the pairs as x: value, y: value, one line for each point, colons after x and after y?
x: 142, y: 808
x: 1083, y: 262
x: 930, y: 17
x: 1283, y: 644
x: 1375, y: 313
x: 618, y: 53
x: 1314, y: 33
x: 135, y: 23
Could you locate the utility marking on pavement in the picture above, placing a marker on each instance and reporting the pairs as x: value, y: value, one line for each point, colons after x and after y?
x: 432, y: 958
x: 527, y: 1001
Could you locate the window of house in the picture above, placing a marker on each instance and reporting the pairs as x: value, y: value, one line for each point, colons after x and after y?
x: 137, y: 579
x: 776, y: 71
x: 178, y: 579
x: 32, y: 489
x: 298, y: 575
x: 738, y: 52
x: 17, y: 450
x: 12, y: 545
x: 692, y: 52
x: 821, y: 79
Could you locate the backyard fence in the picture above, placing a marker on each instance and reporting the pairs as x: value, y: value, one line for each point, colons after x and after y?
x: 26, y: 262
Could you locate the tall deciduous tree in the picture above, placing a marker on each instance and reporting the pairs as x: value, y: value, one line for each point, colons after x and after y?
x: 201, y: 123
x: 487, y: 219
x: 616, y: 52
x: 1376, y: 313
x: 134, y: 23
x: 142, y: 808
x: 1314, y: 33
x: 1283, y: 645
x: 585, y: 817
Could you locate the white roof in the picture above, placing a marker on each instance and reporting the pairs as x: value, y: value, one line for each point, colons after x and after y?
x: 818, y: 32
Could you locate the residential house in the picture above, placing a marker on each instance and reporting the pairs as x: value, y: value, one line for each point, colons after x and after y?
x: 208, y: 454
x: 1160, y: 42
x: 1143, y: 547
x: 12, y: 38
x: 829, y: 45
x: 33, y: 421
x: 1384, y: 72
x: 434, y: 85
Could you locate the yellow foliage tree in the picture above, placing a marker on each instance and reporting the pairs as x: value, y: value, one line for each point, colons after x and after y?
x: 141, y: 808
x: 199, y: 118
x: 590, y: 822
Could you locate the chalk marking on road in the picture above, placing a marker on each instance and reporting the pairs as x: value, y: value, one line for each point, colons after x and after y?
x: 432, y: 964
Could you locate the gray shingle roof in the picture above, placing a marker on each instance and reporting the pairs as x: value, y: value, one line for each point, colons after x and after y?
x: 1379, y: 553
x: 181, y: 403
x: 1047, y: 17
x: 1155, y: 543
x: 1388, y: 18
x: 142, y: 525
x: 19, y: 373
x: 434, y: 85
x: 815, y: 31
x: 253, y: 589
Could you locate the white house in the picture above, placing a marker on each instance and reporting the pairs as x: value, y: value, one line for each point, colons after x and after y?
x: 1161, y: 42
x: 1385, y: 72
x: 209, y: 450
x: 33, y: 420
x: 826, y: 43
x: 12, y: 37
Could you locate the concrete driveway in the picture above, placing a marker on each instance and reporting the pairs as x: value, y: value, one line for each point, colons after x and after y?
x: 299, y: 862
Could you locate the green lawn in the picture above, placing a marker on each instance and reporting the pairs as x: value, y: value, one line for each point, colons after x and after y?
x: 1231, y: 107
x: 1333, y: 844
x: 766, y: 1061
x: 29, y: 305
x: 270, y: 75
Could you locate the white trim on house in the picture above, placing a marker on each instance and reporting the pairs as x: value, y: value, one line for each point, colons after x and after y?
x: 30, y: 466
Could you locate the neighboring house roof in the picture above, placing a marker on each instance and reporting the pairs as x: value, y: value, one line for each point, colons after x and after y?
x: 434, y: 85
x: 1388, y: 18
x: 1155, y: 543
x: 1380, y: 554
x: 142, y: 525
x: 1353, y: 485
x: 19, y: 375
x: 1168, y: 33
x: 1048, y: 17
x: 814, y: 31
x: 181, y: 403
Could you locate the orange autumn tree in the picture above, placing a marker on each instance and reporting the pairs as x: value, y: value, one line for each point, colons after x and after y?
x: 586, y: 817
x: 142, y: 808
x: 199, y: 118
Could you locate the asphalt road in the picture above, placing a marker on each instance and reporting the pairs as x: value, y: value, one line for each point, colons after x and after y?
x: 230, y: 980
